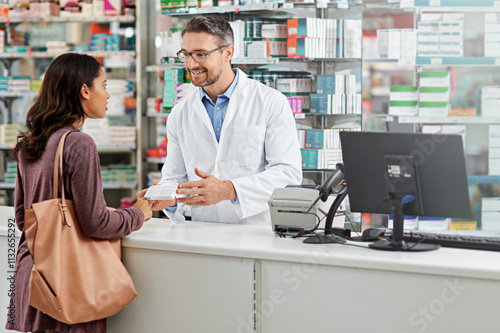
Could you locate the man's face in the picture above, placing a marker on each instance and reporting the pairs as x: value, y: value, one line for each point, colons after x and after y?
x: 208, y: 72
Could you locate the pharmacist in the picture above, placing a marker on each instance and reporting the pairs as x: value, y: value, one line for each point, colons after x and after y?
x: 232, y: 141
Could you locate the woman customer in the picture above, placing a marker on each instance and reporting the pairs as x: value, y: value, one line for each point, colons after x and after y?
x: 74, y: 89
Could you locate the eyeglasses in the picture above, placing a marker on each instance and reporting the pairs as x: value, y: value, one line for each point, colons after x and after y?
x: 197, y: 56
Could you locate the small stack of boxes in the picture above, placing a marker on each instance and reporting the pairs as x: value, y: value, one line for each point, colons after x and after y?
x: 122, y: 174
x: 434, y: 94
x: 491, y: 35
x: 403, y: 101
x: 174, y: 78
x: 10, y: 172
x: 170, y: 42
x: 8, y: 134
x: 174, y: 5
x: 320, y: 148
x: 259, y: 38
x: 275, y: 36
x: 336, y: 94
x: 297, y: 92
x: 57, y: 47
x: 490, y: 101
x: 124, y: 136
x: 490, y: 214
x: 154, y: 105
x: 15, y: 83
x: 396, y: 43
x: 494, y: 150
x: 98, y: 129
x: 441, y: 34
x: 324, y: 38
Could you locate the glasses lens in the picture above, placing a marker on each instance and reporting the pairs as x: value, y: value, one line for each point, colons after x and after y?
x: 199, y: 57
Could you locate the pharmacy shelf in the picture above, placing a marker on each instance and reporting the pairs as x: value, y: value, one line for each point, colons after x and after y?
x: 115, y: 148
x: 155, y: 160
x: 21, y: 55
x: 309, y: 59
x: 57, y: 19
x: 258, y: 7
x: 483, y: 179
x: 172, y: 62
x: 458, y: 61
x: 317, y: 170
x: 162, y: 67
x: 157, y: 115
x: 16, y: 94
x: 439, y: 120
x: 379, y: 60
x: 5, y: 146
x: 117, y: 186
x: 464, y: 9
x: 318, y: 120
x: 255, y: 61
x: 6, y: 186
x: 340, y: 116
x: 168, y: 62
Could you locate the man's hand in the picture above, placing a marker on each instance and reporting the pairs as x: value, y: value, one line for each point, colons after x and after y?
x: 207, y: 191
x: 156, y: 204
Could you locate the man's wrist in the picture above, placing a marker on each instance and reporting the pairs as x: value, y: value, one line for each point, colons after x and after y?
x: 231, y: 190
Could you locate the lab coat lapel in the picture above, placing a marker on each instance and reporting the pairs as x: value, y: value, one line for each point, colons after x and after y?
x: 235, y: 102
x: 201, y: 113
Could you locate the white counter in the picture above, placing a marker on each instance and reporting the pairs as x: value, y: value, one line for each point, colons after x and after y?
x: 222, y: 278
x: 255, y: 242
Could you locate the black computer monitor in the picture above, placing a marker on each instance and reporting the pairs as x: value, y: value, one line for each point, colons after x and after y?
x: 405, y: 174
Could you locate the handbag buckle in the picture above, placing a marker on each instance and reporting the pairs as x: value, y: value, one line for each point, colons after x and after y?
x: 64, y: 209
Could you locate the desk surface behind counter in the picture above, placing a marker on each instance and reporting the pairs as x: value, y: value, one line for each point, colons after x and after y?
x: 256, y: 242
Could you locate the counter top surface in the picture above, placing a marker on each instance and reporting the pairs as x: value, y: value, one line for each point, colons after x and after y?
x: 257, y: 242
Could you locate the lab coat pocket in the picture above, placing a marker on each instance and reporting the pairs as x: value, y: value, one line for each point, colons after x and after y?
x: 248, y: 145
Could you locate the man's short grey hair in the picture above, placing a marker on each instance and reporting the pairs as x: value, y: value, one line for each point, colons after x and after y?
x: 213, y: 24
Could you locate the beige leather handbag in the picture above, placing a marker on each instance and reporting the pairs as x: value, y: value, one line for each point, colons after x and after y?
x: 75, y: 278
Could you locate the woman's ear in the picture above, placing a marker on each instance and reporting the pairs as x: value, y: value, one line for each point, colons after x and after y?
x: 85, y: 92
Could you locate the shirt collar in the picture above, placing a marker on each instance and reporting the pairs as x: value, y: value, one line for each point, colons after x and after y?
x: 229, y: 90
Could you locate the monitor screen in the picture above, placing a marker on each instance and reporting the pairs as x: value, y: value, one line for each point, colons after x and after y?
x: 426, y: 170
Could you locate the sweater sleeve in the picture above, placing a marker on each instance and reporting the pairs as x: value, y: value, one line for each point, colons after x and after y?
x: 82, y: 179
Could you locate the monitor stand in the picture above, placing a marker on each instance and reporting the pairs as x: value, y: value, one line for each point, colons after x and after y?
x: 397, y: 243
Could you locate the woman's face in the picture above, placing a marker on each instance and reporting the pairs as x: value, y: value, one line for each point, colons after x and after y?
x: 94, y: 99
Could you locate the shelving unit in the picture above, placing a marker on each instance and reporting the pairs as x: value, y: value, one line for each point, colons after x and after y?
x: 466, y: 73
x: 347, y: 9
x: 110, y: 152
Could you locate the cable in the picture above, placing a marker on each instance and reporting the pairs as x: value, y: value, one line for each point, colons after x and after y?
x: 352, y: 225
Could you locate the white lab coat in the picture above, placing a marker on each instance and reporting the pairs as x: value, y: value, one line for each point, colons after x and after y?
x: 258, y: 150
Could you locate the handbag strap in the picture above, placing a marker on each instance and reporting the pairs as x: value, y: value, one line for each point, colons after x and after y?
x: 58, y: 165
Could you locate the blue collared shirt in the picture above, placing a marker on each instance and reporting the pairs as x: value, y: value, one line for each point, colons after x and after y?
x: 217, y: 111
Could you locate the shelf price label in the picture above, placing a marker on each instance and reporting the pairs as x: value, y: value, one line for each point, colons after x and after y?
x: 406, y: 61
x: 343, y: 5
x: 435, y: 3
x: 407, y: 3
x: 288, y: 5
x: 322, y: 5
x: 436, y: 61
x: 300, y: 116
